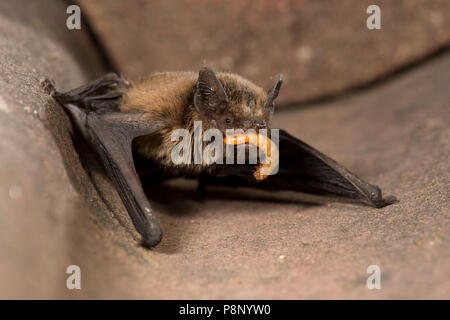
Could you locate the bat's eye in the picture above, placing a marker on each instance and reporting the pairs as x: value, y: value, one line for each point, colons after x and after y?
x: 228, y: 121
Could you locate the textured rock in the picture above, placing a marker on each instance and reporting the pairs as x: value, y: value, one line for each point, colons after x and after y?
x: 322, y: 47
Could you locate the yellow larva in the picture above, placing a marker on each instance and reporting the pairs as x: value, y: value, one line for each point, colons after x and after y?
x: 260, y: 141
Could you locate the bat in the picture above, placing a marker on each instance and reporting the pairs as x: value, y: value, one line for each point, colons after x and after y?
x: 131, y: 127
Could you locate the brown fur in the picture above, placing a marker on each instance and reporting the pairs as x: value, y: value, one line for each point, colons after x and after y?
x: 169, y: 97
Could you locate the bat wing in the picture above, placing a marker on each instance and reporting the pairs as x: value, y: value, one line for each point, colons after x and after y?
x: 94, y: 110
x: 303, y: 168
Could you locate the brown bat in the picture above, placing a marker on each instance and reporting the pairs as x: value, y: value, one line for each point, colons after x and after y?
x: 124, y: 122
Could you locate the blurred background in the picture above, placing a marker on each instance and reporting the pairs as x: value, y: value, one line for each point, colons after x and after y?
x: 374, y: 100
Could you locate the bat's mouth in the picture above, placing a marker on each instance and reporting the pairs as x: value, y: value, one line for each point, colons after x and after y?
x: 270, y: 165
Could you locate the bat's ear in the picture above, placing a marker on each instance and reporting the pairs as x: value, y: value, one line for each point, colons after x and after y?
x: 210, y: 97
x: 269, y: 104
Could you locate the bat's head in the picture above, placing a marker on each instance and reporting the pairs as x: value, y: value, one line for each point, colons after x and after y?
x: 231, y: 102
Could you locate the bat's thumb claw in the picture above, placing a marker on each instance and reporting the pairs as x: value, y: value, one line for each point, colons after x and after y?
x: 48, y: 85
x: 151, y: 238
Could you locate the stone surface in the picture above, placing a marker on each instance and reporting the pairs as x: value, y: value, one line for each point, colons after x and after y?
x: 322, y: 47
x: 47, y: 18
x: 40, y: 207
